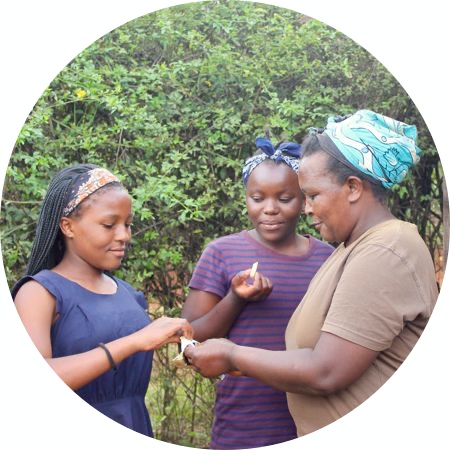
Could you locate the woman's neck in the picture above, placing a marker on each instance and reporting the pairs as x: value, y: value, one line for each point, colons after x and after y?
x: 373, y: 215
x: 87, y: 276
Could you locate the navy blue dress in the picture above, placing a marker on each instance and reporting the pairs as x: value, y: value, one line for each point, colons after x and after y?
x: 85, y: 320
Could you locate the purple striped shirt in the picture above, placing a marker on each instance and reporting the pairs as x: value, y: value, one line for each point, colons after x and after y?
x: 249, y: 414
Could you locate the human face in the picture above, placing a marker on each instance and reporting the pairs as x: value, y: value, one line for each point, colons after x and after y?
x: 274, y: 203
x: 326, y: 201
x: 101, y: 230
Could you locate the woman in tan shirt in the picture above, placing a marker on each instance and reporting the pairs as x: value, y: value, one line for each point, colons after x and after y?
x: 368, y: 304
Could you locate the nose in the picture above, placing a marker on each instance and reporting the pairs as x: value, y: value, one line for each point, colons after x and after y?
x: 308, y: 208
x: 123, y: 233
x: 271, y: 207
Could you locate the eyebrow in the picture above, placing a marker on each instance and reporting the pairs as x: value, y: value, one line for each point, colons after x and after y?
x: 115, y: 216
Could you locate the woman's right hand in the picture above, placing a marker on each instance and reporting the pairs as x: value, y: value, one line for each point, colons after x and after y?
x: 259, y: 290
x: 212, y: 357
x: 163, y: 331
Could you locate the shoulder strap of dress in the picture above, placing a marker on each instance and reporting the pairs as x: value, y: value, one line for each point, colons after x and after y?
x: 46, y: 278
x: 19, y: 284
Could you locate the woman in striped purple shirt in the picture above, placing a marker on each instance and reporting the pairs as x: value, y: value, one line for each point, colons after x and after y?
x: 224, y: 302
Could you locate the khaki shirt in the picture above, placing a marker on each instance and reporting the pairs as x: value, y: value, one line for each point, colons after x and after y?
x: 378, y: 292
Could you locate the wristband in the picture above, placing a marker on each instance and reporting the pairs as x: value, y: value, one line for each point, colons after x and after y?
x: 108, y: 354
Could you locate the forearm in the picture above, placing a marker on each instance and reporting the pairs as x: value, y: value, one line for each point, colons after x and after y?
x: 218, y: 321
x: 78, y: 370
x: 332, y: 365
x: 289, y: 371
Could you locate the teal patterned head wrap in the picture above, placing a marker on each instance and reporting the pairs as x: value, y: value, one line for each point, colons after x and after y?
x: 376, y: 145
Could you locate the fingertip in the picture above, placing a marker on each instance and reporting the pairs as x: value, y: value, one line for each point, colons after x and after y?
x: 245, y: 273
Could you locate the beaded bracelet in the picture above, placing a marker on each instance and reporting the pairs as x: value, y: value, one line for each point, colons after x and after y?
x: 108, y: 354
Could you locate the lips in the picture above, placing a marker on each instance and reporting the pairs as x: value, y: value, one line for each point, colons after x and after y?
x: 119, y: 252
x: 271, y: 225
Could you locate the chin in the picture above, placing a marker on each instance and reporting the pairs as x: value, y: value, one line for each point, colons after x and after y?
x: 331, y: 239
x: 271, y: 237
x: 111, y: 267
x: 326, y: 237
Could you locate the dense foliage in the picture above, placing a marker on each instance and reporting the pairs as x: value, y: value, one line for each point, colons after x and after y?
x: 172, y: 102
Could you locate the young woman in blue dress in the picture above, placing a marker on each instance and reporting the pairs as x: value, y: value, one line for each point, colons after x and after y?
x: 91, y: 327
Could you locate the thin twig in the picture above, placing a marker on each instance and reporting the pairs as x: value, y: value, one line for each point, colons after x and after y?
x: 119, y: 147
x: 22, y: 202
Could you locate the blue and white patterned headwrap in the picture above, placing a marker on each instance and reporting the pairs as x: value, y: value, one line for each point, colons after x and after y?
x: 376, y: 145
x: 287, y: 152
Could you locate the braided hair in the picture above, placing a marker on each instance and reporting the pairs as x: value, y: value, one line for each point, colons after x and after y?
x: 48, y: 245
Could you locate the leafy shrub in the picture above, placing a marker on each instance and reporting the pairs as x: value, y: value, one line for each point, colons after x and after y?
x: 172, y: 102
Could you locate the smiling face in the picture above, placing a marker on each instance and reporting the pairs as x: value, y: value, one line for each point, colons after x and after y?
x: 326, y: 201
x: 99, y: 233
x: 274, y: 202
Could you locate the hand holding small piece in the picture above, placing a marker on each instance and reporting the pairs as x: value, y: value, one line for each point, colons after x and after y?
x: 180, y: 361
x: 260, y: 288
x: 162, y: 331
x: 212, y: 358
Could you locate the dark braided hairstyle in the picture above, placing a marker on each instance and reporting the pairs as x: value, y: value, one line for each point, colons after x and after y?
x: 48, y: 245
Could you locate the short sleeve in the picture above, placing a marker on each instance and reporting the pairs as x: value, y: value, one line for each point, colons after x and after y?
x: 376, y: 294
x: 210, y: 274
x: 44, y: 279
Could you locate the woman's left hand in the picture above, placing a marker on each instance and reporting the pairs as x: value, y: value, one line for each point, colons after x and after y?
x: 258, y: 290
x: 212, y: 357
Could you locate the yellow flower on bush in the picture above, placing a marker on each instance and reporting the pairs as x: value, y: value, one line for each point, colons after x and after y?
x: 80, y: 93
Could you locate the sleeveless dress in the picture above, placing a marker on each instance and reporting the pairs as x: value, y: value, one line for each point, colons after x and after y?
x: 86, y: 319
